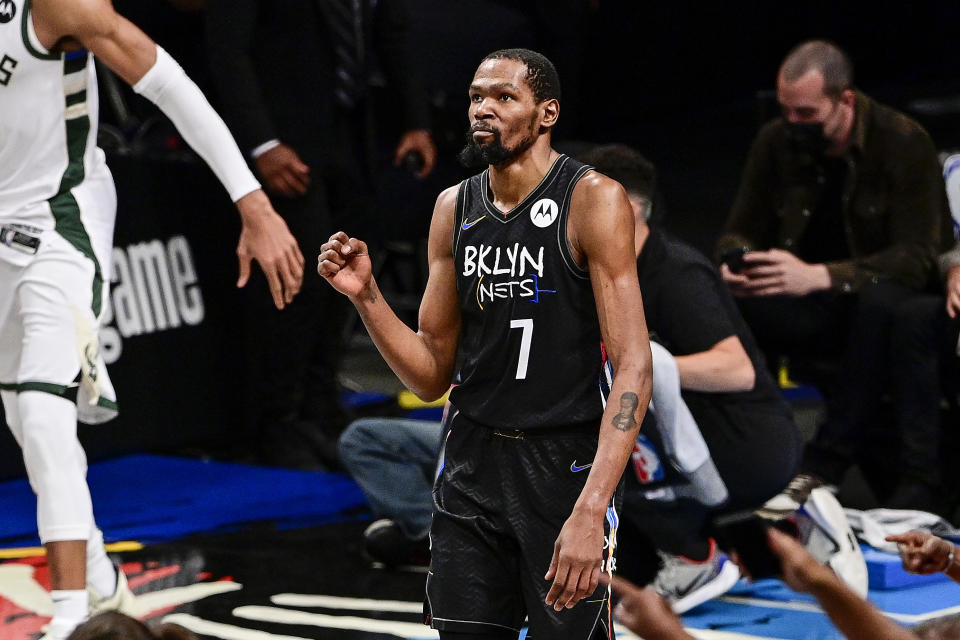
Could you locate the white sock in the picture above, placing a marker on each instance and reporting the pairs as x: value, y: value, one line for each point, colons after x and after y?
x: 101, y: 572
x: 69, y: 610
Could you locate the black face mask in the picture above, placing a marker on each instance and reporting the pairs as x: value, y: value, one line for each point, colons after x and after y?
x: 808, y: 137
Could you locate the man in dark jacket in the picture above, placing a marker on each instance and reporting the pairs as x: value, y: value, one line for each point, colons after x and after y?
x: 842, y: 210
x: 295, y: 80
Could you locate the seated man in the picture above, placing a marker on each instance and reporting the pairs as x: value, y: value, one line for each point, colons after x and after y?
x: 709, y: 379
x: 394, y: 461
x: 921, y: 354
x: 841, y: 199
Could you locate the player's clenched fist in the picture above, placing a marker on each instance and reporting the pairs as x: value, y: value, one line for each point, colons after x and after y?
x: 345, y: 263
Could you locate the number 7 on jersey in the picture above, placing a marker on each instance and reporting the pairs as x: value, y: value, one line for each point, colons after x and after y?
x: 526, y: 324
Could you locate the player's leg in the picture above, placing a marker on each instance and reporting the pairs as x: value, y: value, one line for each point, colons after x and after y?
x: 54, y: 299
x: 473, y: 584
x: 44, y: 425
x: 541, y: 484
x: 393, y: 460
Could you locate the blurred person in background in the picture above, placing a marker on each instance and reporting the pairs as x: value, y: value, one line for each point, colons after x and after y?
x: 841, y: 211
x: 295, y: 80
x: 719, y: 438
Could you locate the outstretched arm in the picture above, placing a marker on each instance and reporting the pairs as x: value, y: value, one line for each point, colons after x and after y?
x: 133, y: 56
x: 645, y: 612
x: 601, y: 235
x: 924, y: 553
x: 854, y: 616
x: 423, y: 360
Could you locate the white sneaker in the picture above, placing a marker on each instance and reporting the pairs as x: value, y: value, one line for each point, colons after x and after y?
x: 686, y: 584
x: 122, y: 599
x: 793, y: 497
x: 56, y: 630
x: 826, y: 533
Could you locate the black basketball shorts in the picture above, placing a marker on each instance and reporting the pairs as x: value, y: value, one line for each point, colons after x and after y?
x: 500, y: 500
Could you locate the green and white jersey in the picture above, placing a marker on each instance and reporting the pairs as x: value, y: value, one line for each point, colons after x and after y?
x: 48, y: 127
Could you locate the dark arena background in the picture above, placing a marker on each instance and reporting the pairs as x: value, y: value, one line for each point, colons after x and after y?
x: 239, y: 551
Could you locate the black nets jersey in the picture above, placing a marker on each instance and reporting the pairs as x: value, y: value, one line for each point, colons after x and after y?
x: 530, y: 338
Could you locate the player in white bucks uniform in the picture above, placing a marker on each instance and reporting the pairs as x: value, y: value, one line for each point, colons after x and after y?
x: 531, y: 264
x: 57, y: 209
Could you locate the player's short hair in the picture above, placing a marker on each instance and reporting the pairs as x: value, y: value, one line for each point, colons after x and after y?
x: 542, y: 77
x: 625, y: 165
x: 824, y: 56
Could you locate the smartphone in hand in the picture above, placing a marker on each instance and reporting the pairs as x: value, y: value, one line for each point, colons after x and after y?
x: 746, y: 533
x: 733, y: 258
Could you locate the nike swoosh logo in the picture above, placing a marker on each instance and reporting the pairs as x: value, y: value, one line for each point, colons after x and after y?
x: 466, y: 225
x: 575, y: 468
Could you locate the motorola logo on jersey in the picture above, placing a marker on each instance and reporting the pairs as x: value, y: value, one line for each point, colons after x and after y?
x: 544, y: 212
x: 7, y: 11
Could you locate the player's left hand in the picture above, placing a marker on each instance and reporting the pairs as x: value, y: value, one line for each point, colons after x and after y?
x: 266, y: 239
x: 418, y: 140
x: 780, y: 273
x: 577, y: 559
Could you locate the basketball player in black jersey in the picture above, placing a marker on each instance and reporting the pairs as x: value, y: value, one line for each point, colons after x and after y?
x: 531, y: 265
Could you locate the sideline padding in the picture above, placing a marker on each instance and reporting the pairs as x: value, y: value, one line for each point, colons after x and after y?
x: 156, y: 498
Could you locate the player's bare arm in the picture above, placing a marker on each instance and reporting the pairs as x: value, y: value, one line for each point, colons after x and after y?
x: 423, y: 360
x: 131, y: 54
x: 601, y: 237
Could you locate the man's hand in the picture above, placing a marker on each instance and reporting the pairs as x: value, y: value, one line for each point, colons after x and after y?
x: 780, y: 273
x: 417, y: 140
x: 345, y: 263
x: 283, y: 171
x: 953, y: 291
x: 645, y: 612
x: 738, y: 282
x: 577, y: 559
x: 922, y: 553
x: 266, y: 239
x: 801, y: 571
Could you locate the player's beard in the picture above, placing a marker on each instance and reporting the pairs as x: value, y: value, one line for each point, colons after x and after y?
x: 476, y: 156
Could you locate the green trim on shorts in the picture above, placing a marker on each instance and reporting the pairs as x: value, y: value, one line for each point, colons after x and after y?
x: 66, y: 212
x: 107, y: 404
x: 46, y: 387
x: 25, y: 32
x: 68, y: 392
x: 63, y: 206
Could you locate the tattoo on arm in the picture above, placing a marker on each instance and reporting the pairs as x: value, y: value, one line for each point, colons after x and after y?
x: 624, y: 421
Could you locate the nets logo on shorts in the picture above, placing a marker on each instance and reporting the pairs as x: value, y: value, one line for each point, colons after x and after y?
x: 544, y: 212
x: 8, y: 10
